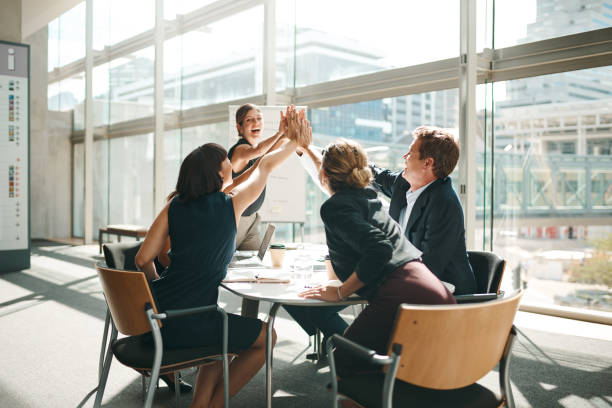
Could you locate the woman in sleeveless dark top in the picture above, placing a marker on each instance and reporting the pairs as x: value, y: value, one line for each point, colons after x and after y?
x: 368, y: 252
x: 243, y: 155
x: 201, y: 221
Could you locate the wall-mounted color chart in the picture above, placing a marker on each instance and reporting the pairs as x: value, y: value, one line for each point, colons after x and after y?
x: 14, y: 157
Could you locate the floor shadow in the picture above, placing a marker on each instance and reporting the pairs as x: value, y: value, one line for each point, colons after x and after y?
x: 43, y: 290
x: 546, y: 376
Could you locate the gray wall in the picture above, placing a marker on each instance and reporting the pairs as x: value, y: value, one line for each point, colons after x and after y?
x: 50, y: 152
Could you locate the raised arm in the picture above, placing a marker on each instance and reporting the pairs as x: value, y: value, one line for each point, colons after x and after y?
x: 245, y: 152
x: 249, y: 190
x: 153, y: 244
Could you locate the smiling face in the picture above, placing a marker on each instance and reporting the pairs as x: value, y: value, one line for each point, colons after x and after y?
x: 226, y: 173
x: 252, y: 126
x: 412, y: 160
x: 417, y: 171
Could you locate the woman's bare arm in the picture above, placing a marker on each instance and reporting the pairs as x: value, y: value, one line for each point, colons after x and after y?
x: 249, y: 190
x: 153, y: 244
x: 244, y: 153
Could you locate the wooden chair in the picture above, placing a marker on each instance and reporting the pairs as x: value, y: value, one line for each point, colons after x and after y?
x: 134, y: 314
x: 436, y: 355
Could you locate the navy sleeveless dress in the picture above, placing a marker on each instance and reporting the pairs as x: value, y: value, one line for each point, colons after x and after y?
x: 202, y: 236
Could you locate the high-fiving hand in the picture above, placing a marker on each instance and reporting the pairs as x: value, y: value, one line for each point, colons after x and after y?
x: 298, y: 127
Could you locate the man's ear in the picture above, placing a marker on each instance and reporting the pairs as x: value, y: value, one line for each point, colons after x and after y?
x: 429, y: 162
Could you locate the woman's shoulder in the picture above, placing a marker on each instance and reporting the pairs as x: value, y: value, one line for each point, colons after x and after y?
x: 347, y: 201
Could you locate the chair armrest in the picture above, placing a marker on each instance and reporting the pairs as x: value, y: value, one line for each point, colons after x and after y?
x: 193, y: 310
x: 365, y: 354
x: 342, y: 343
x: 477, y: 297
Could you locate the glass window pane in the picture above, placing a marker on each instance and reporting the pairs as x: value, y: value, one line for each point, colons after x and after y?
x: 333, y: 42
x: 72, y: 35
x: 173, y: 49
x: 131, y: 86
x: 72, y: 97
x: 53, y: 44
x: 131, y: 180
x: 78, y: 189
x: 100, y: 92
x: 116, y: 20
x: 539, y: 20
x: 552, y: 196
x: 193, y: 137
x: 174, y: 9
x: 220, y: 62
x: 172, y: 159
x: 101, y: 184
x: 180, y: 142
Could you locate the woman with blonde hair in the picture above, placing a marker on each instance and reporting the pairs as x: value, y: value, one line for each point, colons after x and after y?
x: 368, y: 251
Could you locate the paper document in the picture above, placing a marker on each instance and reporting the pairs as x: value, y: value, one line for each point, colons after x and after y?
x: 257, y: 276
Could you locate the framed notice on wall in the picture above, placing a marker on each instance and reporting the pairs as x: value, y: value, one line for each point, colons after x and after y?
x: 14, y: 156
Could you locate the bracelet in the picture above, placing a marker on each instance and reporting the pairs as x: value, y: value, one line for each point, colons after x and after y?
x: 340, y: 298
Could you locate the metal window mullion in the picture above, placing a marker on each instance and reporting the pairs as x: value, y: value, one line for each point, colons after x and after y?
x: 158, y: 139
x: 88, y: 148
x: 269, y: 57
x: 467, y: 118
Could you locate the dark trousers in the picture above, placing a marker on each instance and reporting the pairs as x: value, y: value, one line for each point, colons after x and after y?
x: 412, y: 283
x: 324, y: 318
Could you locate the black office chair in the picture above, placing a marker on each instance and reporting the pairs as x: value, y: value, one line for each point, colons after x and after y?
x: 488, y: 270
x: 436, y: 355
x: 121, y: 255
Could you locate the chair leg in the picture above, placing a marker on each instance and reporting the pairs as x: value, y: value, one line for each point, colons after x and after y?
x: 504, y: 370
x: 105, y: 369
x: 104, y: 341
x: 177, y: 388
x: 332, y: 370
x: 157, y: 341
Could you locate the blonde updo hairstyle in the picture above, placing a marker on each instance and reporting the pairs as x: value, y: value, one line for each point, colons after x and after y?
x: 346, y: 165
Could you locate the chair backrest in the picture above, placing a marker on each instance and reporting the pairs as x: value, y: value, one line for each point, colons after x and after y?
x: 488, y: 270
x: 126, y: 294
x: 452, y: 346
x: 121, y: 255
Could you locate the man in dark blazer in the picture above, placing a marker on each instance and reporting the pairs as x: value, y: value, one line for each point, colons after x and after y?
x: 427, y: 208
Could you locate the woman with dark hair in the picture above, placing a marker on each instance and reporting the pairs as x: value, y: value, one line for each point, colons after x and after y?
x: 243, y: 155
x: 201, y: 222
x: 368, y: 251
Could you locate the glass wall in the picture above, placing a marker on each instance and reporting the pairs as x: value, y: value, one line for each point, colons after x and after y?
x: 352, y: 38
x: 552, y: 194
x: 537, y: 20
x: 543, y: 142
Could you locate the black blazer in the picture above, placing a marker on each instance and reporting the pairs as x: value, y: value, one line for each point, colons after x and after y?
x: 362, y: 238
x: 435, y: 227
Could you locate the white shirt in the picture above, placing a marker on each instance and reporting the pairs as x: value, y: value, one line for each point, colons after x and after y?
x: 411, y: 197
